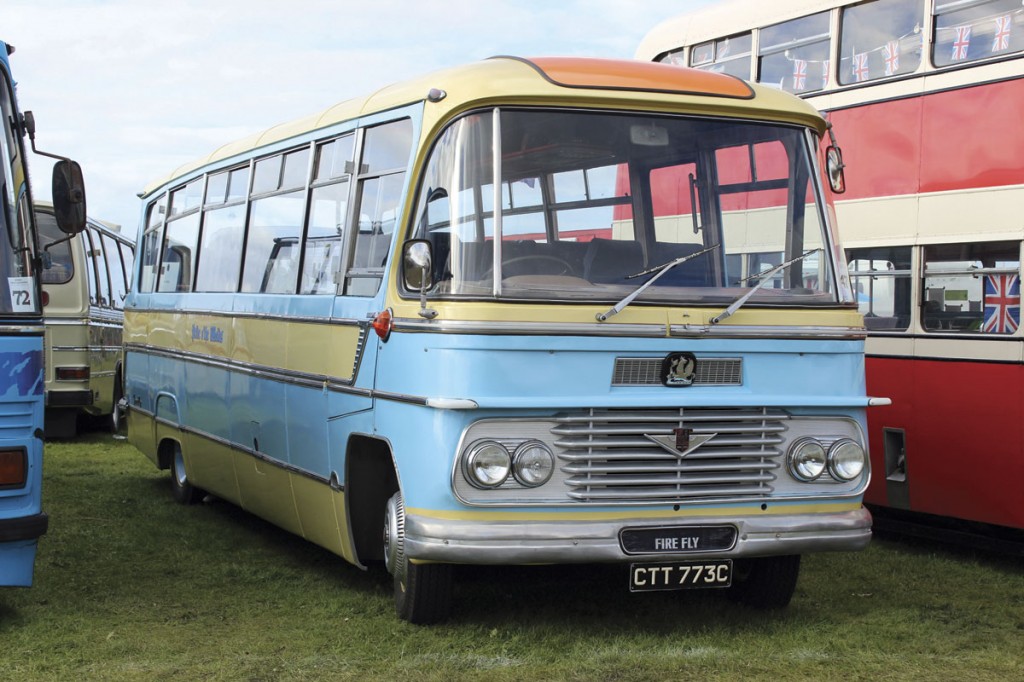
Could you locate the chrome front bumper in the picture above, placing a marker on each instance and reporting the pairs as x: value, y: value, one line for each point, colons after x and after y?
x: 562, y: 542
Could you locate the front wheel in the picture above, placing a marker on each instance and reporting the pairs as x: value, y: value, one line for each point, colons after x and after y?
x: 182, y: 489
x: 766, y: 582
x: 423, y: 592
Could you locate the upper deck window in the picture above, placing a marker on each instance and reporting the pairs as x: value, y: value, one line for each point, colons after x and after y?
x: 726, y: 55
x: 967, y: 31
x: 794, y: 54
x: 880, y: 39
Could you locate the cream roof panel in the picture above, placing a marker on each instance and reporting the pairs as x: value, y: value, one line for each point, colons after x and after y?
x: 514, y: 81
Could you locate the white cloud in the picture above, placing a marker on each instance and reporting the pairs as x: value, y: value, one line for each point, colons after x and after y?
x: 134, y: 88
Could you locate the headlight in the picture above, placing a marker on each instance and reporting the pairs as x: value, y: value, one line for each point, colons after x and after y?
x: 487, y: 464
x: 533, y: 464
x: 845, y: 460
x: 806, y: 459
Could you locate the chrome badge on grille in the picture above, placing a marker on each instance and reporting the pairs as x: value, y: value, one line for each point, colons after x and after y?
x: 679, y: 369
x: 682, y: 442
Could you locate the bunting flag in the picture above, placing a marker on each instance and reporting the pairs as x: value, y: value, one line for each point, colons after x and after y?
x: 891, y: 55
x: 799, y: 74
x: 860, y: 67
x: 961, y: 43
x: 1001, y: 40
x: 1002, y: 304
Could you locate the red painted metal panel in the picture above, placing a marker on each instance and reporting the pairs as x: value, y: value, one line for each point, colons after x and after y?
x: 966, y: 138
x: 964, y: 425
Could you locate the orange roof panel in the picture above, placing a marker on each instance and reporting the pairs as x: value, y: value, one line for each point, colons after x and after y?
x: 621, y: 74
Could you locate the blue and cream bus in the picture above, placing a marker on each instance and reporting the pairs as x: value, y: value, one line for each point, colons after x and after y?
x: 22, y: 520
x: 509, y: 313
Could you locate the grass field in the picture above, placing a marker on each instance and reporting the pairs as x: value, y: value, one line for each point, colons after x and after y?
x: 130, y: 585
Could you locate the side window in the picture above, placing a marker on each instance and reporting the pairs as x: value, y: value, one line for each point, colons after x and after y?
x: 881, y: 280
x: 118, y: 283
x: 128, y: 259
x: 328, y: 213
x: 151, y: 240
x: 726, y: 55
x: 880, y: 39
x: 61, y: 268
x: 177, y: 263
x: 794, y: 55
x: 972, y: 288
x: 220, y: 250
x: 90, y: 267
x: 271, y: 262
x: 99, y: 259
x: 384, y: 160
x: 968, y: 31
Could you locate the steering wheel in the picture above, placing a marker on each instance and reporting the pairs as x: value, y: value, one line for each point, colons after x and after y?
x: 566, y: 266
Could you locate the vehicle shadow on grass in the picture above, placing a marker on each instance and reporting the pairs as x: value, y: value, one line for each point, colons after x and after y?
x: 585, y: 597
x: 591, y: 598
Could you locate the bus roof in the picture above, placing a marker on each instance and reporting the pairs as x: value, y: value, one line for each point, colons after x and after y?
x: 725, y: 18
x: 546, y: 80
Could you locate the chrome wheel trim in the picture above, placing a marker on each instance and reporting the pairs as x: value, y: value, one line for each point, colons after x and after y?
x: 394, y: 536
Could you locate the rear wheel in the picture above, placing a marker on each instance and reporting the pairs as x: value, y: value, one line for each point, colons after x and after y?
x: 423, y: 592
x: 765, y: 582
x: 183, y: 491
x: 116, y: 421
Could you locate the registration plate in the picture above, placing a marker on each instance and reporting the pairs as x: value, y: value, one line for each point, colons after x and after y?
x: 680, y: 575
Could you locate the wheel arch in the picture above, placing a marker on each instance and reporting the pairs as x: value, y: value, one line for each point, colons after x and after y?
x: 371, y: 478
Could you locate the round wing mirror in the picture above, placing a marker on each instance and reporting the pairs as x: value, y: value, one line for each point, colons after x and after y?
x: 417, y: 265
x: 834, y: 165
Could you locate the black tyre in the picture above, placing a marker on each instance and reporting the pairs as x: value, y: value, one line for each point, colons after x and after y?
x: 423, y: 592
x: 116, y: 422
x: 183, y: 491
x: 765, y: 582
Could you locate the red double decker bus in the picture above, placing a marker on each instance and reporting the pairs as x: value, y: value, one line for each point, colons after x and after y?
x: 926, y: 95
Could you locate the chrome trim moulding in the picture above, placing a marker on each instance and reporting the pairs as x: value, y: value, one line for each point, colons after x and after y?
x: 315, y: 381
x: 528, y: 328
x: 250, y: 315
x: 491, y: 541
x: 767, y: 332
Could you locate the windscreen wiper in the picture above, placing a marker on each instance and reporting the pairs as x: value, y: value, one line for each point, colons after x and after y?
x: 660, y: 270
x: 765, y: 277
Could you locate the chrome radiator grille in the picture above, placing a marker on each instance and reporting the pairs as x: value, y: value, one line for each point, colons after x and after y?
x: 647, y: 372
x: 606, y: 455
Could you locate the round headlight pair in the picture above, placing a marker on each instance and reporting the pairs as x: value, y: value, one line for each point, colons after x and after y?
x: 845, y: 459
x: 489, y: 464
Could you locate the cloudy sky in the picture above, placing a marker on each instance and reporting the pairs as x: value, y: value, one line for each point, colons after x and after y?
x: 132, y: 89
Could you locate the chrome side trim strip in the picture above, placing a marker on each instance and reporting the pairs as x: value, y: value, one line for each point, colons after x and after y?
x: 86, y: 349
x: 528, y: 328
x: 766, y: 332
x: 250, y: 315
x: 315, y: 381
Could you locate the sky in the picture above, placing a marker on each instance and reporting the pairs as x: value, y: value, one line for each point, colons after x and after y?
x: 132, y: 89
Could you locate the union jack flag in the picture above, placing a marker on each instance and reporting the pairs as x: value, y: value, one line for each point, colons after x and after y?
x: 1001, y: 41
x: 824, y: 73
x: 860, y: 67
x: 1002, y: 304
x: 962, y: 42
x: 891, y: 55
x: 799, y: 74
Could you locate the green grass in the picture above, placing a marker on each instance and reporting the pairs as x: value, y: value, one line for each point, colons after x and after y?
x: 130, y: 585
